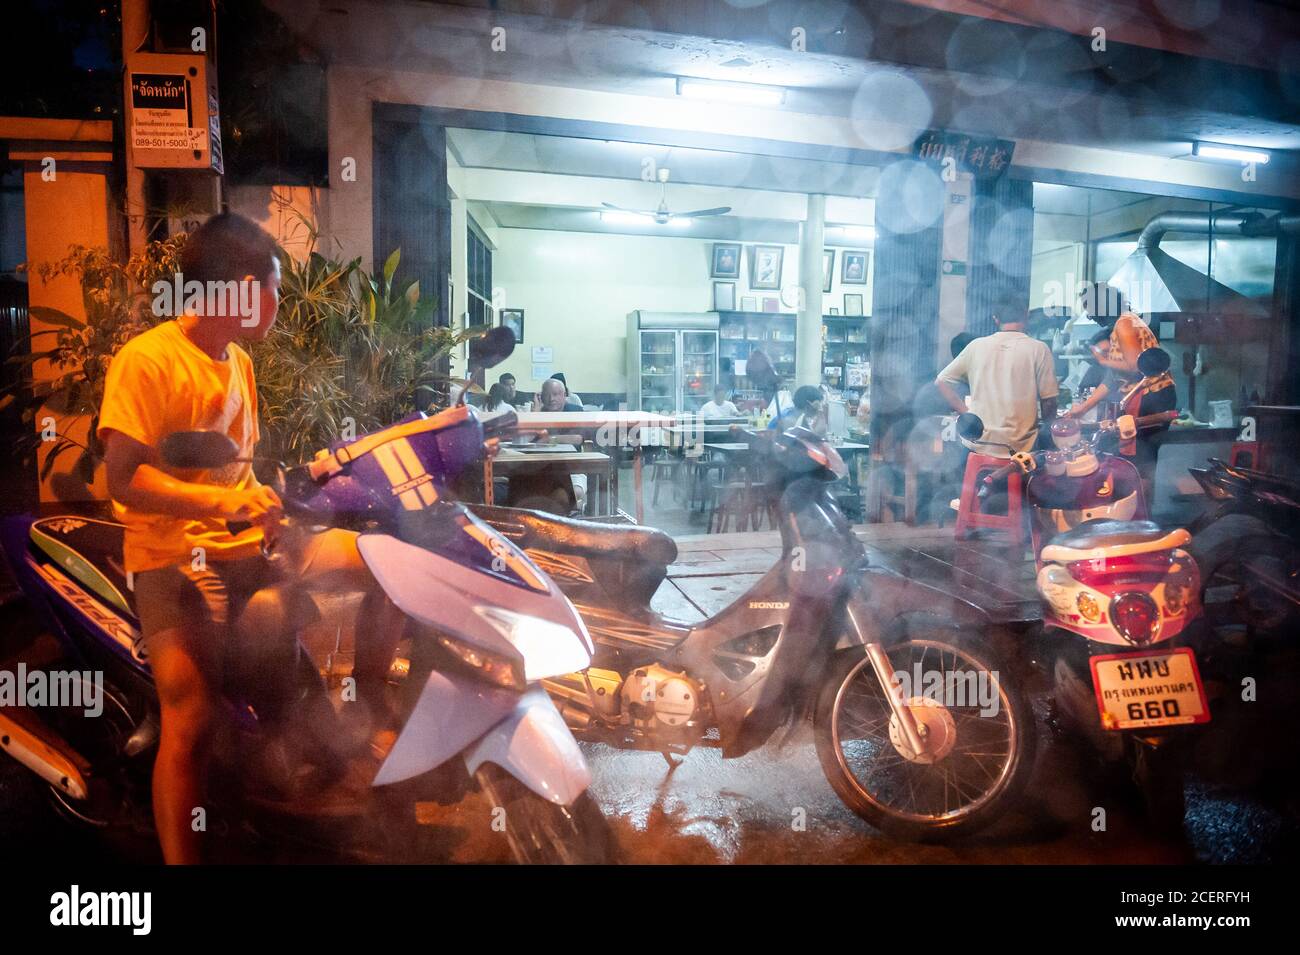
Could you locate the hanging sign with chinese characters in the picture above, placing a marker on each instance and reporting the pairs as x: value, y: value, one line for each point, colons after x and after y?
x: 982, y: 158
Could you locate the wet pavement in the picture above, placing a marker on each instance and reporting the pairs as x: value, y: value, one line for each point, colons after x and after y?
x: 774, y: 805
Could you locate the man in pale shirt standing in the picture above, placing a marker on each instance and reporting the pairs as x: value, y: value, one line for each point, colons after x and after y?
x: 1012, y: 382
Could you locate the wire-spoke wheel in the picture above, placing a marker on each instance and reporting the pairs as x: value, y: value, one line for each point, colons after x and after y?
x: 976, y: 730
x: 542, y: 832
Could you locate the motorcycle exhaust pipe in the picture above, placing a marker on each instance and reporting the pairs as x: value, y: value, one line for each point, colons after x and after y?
x: 44, y: 754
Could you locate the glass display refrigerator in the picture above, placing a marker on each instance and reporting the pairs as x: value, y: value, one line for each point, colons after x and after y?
x: 672, y: 360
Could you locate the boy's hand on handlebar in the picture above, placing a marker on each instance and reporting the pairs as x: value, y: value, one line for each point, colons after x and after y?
x: 259, y: 506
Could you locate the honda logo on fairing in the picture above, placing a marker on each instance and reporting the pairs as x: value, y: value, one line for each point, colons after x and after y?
x: 769, y: 605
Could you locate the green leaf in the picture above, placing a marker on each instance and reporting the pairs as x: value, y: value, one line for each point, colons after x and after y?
x: 52, y: 316
x: 48, y: 464
x: 390, y: 265
x: 31, y: 357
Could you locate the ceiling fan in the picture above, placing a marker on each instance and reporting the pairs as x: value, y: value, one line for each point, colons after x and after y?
x: 662, y: 215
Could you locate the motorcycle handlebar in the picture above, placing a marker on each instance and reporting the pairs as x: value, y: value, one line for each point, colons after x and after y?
x: 986, y: 485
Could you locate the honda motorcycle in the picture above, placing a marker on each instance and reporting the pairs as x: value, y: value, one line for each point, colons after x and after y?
x: 1130, y: 589
x: 486, y: 627
x: 916, y: 727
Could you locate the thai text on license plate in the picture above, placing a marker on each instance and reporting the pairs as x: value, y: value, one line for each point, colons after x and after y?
x: 1142, y: 690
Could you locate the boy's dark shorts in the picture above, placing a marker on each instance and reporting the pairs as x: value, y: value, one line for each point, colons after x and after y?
x: 196, y: 600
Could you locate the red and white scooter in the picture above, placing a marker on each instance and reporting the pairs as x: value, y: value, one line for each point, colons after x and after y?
x: 1115, y: 578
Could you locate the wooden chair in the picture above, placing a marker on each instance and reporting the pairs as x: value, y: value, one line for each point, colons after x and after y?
x: 665, y: 466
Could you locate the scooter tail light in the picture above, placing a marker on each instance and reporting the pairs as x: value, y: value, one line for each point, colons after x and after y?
x: 1097, y: 569
x: 1135, y: 617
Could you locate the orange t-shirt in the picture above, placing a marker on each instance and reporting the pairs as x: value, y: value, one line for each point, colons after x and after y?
x: 160, y: 382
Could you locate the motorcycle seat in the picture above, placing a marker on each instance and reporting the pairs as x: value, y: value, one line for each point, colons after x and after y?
x: 570, y: 535
x: 89, y: 551
x: 1096, y: 539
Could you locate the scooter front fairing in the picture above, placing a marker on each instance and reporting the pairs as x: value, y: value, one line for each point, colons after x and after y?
x: 482, y: 599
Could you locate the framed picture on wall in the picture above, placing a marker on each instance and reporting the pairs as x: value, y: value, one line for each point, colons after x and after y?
x: 852, y: 303
x: 771, y: 303
x: 828, y: 269
x: 513, y: 319
x: 748, y: 303
x: 726, y: 260
x: 853, y: 267
x: 765, y: 266
x: 724, y: 296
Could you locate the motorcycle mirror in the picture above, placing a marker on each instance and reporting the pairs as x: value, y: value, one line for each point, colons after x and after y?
x: 1153, y: 361
x: 970, y: 426
x: 198, y: 450
x: 494, y: 347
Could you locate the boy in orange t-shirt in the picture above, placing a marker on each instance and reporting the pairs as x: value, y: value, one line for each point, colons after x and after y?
x: 193, y: 578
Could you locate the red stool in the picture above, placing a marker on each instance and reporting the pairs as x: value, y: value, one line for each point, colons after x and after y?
x: 1245, y: 454
x: 969, y: 515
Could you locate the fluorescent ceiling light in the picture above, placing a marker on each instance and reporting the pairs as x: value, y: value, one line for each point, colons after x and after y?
x: 863, y: 233
x: 749, y: 93
x: 1233, y: 153
x: 615, y: 217
x: 626, y: 218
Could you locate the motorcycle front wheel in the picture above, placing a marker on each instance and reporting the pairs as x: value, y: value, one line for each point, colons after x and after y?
x: 977, y: 727
x: 542, y: 832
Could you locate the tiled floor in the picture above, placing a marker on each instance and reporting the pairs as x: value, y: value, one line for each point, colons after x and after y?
x: 712, y: 570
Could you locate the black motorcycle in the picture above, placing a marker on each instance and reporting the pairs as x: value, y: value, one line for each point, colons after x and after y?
x: 915, y: 727
x: 1248, y: 548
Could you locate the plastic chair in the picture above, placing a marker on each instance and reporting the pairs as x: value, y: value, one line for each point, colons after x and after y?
x: 971, y: 516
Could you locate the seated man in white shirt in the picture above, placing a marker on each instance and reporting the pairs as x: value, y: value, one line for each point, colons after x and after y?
x: 719, y: 406
x: 1012, y: 380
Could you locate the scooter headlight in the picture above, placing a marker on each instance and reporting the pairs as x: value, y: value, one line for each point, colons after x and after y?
x: 547, y: 648
x: 492, y: 667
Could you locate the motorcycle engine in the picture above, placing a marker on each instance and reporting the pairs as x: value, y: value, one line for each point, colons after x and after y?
x: 658, y: 698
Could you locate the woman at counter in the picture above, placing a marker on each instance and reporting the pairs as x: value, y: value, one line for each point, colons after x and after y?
x: 1118, y: 353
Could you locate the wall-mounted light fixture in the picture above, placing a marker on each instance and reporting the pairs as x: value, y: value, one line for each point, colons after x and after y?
x: 751, y: 94
x: 857, y: 233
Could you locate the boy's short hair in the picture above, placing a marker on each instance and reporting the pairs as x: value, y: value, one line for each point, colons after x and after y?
x: 959, y: 343
x: 502, y: 379
x: 806, y: 395
x: 227, y: 248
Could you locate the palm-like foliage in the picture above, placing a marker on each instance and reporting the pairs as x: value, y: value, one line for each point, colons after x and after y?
x: 350, y: 352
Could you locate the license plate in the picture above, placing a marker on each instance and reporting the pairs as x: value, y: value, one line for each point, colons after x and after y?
x: 1142, y: 690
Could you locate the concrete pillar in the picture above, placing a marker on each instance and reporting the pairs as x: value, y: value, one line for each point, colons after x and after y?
x: 1001, y: 248
x: 808, y: 326
x: 136, y: 29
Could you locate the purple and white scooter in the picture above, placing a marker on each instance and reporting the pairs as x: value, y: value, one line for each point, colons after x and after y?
x: 486, y: 626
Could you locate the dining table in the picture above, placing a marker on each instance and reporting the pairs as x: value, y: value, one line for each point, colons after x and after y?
x: 613, y: 432
x: 596, y: 466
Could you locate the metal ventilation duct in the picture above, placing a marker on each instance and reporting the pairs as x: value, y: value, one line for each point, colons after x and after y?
x: 1157, y: 283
